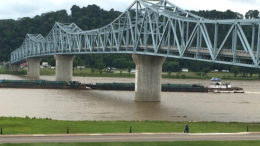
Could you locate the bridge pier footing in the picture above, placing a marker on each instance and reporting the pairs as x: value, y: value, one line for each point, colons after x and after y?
x: 148, y: 77
x: 15, y: 67
x: 33, y: 71
x: 64, y: 67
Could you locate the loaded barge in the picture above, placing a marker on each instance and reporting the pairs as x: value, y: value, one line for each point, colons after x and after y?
x: 41, y: 84
x: 165, y: 87
x: 216, y: 86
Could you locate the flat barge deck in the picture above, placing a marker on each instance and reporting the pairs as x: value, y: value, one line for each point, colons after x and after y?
x: 165, y: 87
x: 43, y: 84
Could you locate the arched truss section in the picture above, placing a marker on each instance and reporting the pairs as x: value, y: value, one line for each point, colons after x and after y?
x: 158, y: 29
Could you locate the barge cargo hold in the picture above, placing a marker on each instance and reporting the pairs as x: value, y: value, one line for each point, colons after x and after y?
x: 165, y: 87
x: 41, y: 84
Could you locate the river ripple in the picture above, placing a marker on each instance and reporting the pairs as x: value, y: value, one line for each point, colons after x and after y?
x: 120, y: 105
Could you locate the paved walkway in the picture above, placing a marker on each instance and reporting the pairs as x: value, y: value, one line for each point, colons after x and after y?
x: 143, y: 137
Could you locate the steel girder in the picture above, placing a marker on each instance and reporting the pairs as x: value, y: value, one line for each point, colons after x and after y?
x: 158, y: 29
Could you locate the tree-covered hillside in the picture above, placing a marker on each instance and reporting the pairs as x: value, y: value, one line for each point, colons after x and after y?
x: 12, y: 32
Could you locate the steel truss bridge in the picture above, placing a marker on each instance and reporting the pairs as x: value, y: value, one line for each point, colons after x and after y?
x: 156, y: 28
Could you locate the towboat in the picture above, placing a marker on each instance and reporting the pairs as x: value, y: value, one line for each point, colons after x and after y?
x: 217, y: 86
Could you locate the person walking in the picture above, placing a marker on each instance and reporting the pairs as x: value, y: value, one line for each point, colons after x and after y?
x: 186, y: 129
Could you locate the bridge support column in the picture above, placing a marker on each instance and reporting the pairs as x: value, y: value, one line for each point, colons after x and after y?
x: 148, y: 77
x: 33, y: 70
x: 64, y: 67
x: 15, y: 67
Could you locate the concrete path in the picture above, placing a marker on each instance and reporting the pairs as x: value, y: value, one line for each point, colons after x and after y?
x: 144, y: 137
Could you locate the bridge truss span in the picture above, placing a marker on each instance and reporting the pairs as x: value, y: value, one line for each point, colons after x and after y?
x: 156, y: 29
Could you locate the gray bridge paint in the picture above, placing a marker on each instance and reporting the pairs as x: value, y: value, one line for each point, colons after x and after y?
x: 151, y: 31
x: 155, y: 28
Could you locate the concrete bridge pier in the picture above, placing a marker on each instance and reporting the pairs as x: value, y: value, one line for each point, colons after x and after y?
x: 64, y: 67
x: 148, y: 77
x: 33, y: 70
x: 15, y: 67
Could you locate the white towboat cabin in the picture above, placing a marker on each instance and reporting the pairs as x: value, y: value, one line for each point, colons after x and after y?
x: 217, y: 84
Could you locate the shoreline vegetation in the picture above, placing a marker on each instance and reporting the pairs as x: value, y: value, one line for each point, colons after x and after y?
x: 87, y: 72
x: 15, y: 125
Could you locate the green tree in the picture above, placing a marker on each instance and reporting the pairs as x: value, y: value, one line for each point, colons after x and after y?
x: 172, y: 66
x: 244, y: 71
x: 205, y: 71
x: 258, y: 72
x: 129, y: 70
x: 252, y: 14
x: 120, y: 63
x: 235, y: 70
x: 251, y: 71
x: 100, y: 65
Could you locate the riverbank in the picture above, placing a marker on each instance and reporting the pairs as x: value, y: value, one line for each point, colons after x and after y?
x: 87, y: 72
x: 28, y: 125
x: 12, y: 125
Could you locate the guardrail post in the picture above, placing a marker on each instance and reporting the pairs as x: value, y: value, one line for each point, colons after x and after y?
x: 130, y: 130
x: 68, y: 130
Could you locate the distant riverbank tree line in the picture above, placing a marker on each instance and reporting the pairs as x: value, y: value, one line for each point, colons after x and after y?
x: 12, y: 34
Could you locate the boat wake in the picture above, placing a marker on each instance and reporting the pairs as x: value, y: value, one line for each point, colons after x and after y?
x: 249, y: 92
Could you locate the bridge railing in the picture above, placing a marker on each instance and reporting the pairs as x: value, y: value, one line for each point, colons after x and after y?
x: 154, y: 28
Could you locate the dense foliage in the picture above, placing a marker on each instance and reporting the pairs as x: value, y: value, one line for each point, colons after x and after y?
x: 12, y: 33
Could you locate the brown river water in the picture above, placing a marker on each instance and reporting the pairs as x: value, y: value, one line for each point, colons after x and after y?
x: 120, y: 105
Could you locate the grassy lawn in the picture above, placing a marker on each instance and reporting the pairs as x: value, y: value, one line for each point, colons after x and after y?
x: 181, y: 143
x: 47, y: 126
x: 7, y: 71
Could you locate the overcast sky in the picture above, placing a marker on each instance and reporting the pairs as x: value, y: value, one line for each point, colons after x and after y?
x: 13, y: 9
